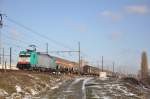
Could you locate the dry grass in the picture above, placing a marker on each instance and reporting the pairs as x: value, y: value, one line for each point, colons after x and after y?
x: 28, y: 80
x: 8, y: 80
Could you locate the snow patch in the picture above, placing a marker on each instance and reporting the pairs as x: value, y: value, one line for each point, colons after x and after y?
x: 15, y: 96
x: 27, y: 96
x: 95, y: 96
x: 18, y: 89
x: 52, y: 88
x: 83, y: 86
x: 103, y: 78
x: 3, y: 92
x: 125, y: 91
x: 73, y: 83
x: 106, y: 97
x: 68, y: 91
x: 95, y: 86
x: 33, y: 77
x: 77, y: 80
x: 33, y: 92
x: 56, y: 86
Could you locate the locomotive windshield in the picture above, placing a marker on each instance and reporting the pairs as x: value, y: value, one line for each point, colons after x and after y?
x: 24, y: 55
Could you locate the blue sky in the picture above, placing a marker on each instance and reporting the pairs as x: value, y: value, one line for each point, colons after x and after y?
x: 117, y: 29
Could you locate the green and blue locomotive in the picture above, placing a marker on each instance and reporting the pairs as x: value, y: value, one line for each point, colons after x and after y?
x: 30, y: 59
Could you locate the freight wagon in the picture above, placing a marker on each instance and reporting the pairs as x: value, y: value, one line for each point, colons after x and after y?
x: 90, y: 70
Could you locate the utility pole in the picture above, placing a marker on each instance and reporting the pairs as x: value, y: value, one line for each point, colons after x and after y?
x: 10, y: 56
x: 5, y: 65
x: 3, y: 60
x: 46, y: 48
x: 79, y: 57
x: 113, y: 67
x: 1, y: 25
x: 99, y: 67
x: 102, y: 63
x: 73, y: 51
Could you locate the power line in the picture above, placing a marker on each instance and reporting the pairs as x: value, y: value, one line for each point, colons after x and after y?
x: 1, y: 25
x: 18, y: 40
x: 15, y: 45
x: 37, y: 33
x: 25, y: 36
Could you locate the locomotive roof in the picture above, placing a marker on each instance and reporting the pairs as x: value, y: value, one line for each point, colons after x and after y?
x: 57, y: 58
x: 45, y: 54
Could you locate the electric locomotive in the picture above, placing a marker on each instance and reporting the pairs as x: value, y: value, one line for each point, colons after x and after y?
x: 30, y: 59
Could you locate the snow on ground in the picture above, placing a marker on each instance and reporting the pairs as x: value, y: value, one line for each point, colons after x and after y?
x: 83, y: 86
x: 95, y: 96
x: 77, y: 80
x: 85, y: 82
x: 52, y: 88
x: 33, y: 92
x: 3, y: 92
x: 106, y: 97
x: 34, y: 77
x: 18, y: 89
x: 55, y: 86
x: 108, y: 90
x: 103, y: 78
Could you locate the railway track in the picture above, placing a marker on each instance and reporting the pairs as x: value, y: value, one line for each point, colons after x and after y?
x: 35, y: 72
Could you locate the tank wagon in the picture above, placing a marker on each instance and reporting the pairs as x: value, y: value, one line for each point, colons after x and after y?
x: 30, y: 59
x: 66, y: 65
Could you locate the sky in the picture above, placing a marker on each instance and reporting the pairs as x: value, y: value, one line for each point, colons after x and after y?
x: 116, y: 29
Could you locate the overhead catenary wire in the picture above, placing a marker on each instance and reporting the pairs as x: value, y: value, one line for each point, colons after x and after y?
x: 24, y: 36
x: 18, y: 38
x: 41, y: 35
x: 19, y: 41
x: 37, y: 33
x: 15, y: 45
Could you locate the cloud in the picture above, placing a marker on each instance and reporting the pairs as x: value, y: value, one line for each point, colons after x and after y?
x: 137, y: 9
x: 77, y: 26
x: 15, y: 34
x: 115, y: 35
x: 82, y: 28
x: 111, y: 15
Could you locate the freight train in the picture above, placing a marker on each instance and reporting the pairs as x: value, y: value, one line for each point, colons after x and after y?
x: 32, y: 60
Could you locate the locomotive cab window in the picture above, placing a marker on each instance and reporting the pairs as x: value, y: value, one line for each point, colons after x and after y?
x: 24, y: 55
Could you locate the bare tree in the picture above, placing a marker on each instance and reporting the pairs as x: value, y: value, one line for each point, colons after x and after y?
x: 144, y: 66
